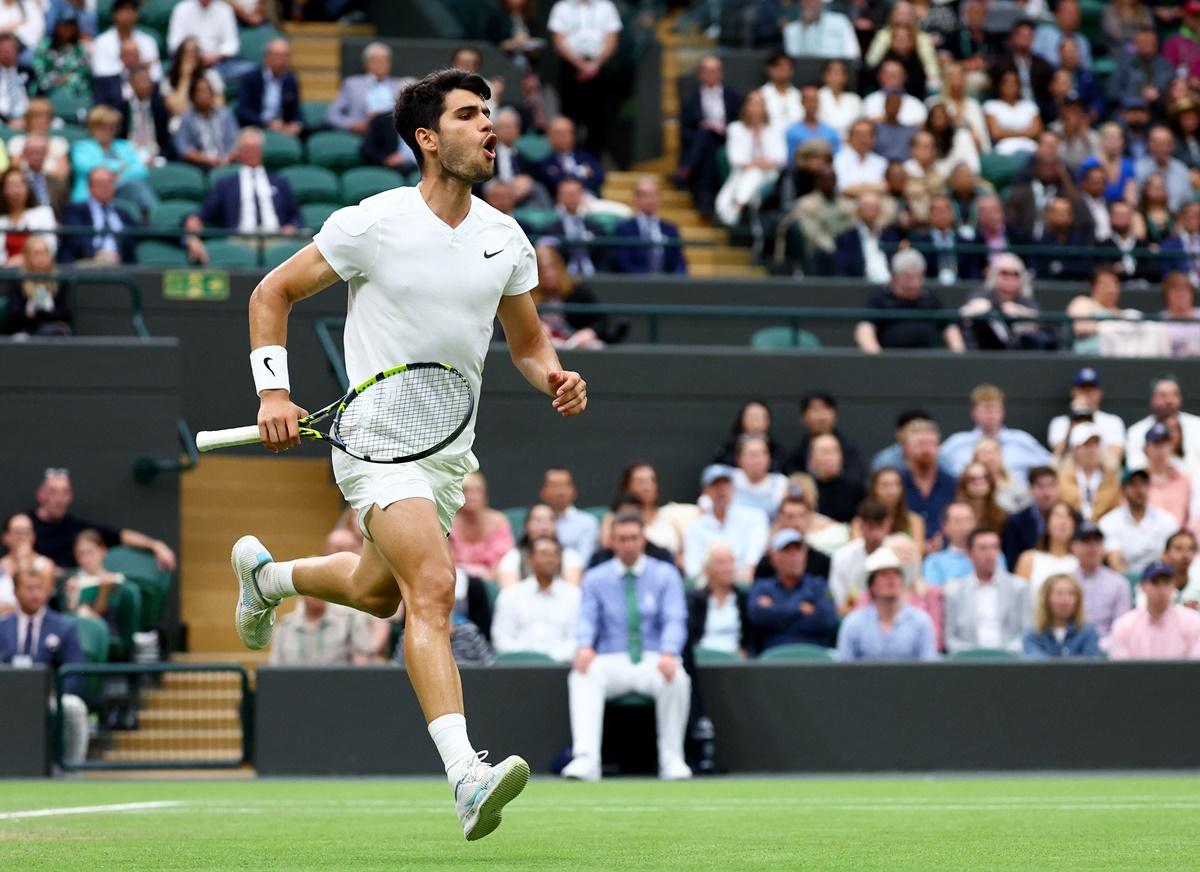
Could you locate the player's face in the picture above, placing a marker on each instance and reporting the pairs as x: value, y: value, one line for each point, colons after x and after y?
x: 466, y: 140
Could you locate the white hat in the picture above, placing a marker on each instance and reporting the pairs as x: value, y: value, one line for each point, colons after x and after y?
x: 881, y: 558
x: 1082, y: 433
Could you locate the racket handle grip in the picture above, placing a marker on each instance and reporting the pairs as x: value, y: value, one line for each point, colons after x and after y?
x: 207, y: 440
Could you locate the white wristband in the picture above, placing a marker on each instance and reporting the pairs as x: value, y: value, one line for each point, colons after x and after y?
x: 269, y: 365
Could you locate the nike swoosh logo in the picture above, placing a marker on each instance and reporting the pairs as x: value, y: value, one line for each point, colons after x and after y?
x: 486, y: 256
x: 267, y: 364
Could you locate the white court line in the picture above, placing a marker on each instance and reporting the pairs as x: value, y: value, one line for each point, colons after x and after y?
x: 87, y: 809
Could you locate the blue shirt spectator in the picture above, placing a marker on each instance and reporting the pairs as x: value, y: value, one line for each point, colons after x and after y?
x: 574, y: 528
x: 102, y: 148
x: 793, y: 607
x: 269, y: 96
x: 1069, y: 641
x: 604, y: 608
x: 931, y: 505
x: 745, y: 529
x: 1046, y: 38
x: 1058, y: 628
x: 1021, y: 451
x: 207, y: 133
x: 910, y: 636
x: 802, y: 131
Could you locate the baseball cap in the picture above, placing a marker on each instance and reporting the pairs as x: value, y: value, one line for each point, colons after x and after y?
x: 1131, y: 474
x: 715, y: 472
x: 786, y: 537
x: 1082, y: 433
x: 1087, y: 530
x: 1159, y: 432
x: 1087, y: 377
x: 881, y: 558
x: 1158, y: 569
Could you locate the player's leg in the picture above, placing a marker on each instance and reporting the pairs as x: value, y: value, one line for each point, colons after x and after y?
x: 607, y: 676
x: 671, y: 701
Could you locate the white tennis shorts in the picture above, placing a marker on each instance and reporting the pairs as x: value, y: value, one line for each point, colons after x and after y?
x: 437, y: 479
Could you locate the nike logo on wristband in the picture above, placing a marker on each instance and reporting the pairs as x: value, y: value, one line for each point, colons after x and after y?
x: 267, y: 364
x: 487, y: 256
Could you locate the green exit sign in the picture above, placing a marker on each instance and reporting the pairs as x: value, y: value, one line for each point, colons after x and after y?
x: 196, y: 284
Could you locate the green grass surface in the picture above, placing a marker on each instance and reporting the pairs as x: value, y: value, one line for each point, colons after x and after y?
x: 726, y: 824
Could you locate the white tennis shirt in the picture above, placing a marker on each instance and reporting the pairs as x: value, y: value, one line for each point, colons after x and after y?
x: 421, y: 290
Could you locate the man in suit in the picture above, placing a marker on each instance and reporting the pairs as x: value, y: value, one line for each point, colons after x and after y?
x: 859, y: 251
x: 991, y: 230
x: 703, y: 116
x: 269, y: 97
x: 34, y: 634
x: 383, y: 147
x: 364, y: 96
x: 107, y: 247
x: 940, y: 243
x: 145, y: 119
x: 565, y: 161
x: 989, y: 608
x: 1144, y: 72
x: 115, y: 89
x: 574, y: 226
x: 1061, y: 238
x: 722, y: 601
x: 48, y: 190
x: 794, y: 606
x: 1022, y: 529
x: 249, y: 201
x: 510, y: 166
x: 1032, y: 71
x: 648, y: 227
x: 631, y: 632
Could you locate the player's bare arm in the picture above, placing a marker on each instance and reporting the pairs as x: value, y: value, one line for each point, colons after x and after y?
x: 535, y: 357
x: 302, y: 275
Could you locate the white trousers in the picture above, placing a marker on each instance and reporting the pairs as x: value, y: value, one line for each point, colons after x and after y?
x: 742, y: 188
x: 612, y: 675
x: 74, y: 727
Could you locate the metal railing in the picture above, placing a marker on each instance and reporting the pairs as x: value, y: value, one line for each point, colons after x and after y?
x: 147, y: 469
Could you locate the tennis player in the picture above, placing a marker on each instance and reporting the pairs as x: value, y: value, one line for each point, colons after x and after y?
x: 429, y: 268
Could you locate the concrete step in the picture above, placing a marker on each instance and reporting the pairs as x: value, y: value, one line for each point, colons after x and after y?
x: 212, y: 743
x: 167, y: 699
x: 319, y: 84
x: 189, y: 719
x: 200, y: 682
x: 671, y: 198
x: 709, y: 271
x: 179, y: 755
x: 332, y: 29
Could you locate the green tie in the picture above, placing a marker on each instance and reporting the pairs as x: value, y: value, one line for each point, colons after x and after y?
x: 634, y: 617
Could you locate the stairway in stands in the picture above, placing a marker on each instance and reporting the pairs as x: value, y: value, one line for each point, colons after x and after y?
x: 680, y: 54
x: 317, y: 55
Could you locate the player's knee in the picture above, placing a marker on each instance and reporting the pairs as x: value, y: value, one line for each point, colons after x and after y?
x: 431, y: 598
x: 381, y: 605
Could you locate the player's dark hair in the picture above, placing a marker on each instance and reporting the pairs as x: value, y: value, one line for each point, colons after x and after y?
x: 421, y: 103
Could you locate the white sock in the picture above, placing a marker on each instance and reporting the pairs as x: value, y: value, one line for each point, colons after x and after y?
x: 449, y: 733
x: 274, y: 580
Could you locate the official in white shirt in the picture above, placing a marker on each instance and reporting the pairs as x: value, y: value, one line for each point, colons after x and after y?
x: 214, y: 26
x: 859, y: 169
x: 538, y: 613
x: 585, y: 35
x: 1166, y: 401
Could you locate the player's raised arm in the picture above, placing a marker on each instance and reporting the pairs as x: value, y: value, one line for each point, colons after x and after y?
x: 302, y: 275
x: 535, y: 357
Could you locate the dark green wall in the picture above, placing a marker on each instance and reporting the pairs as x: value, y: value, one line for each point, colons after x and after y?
x: 24, y: 725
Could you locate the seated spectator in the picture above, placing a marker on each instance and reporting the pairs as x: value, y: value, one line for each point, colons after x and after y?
x: 858, y: 168
x: 556, y: 287
x: 60, y: 63
x: 364, y: 96
x: 1011, y: 495
x: 1102, y: 303
x: 743, y: 528
x: 510, y: 166
x: 754, y: 484
x: 1065, y: 27
x: 1059, y: 629
x: 38, y: 120
x: 886, y: 628
x: 1093, y: 204
x: 574, y: 229
x: 1170, y: 486
x: 988, y: 608
x: 819, y: 417
x: 1023, y: 527
x: 1007, y: 294
x: 893, y: 139
x: 972, y: 47
x: 1181, y: 553
x: 952, y: 145
x: 993, y: 230
x: 859, y: 250
x: 665, y: 525
x: 106, y: 48
x: 808, y: 126
x: 1087, y: 393
x: 838, y: 493
x: 822, y: 215
x: 940, y: 243
x: 1105, y: 593
x: 1144, y: 72
x: 1052, y: 554
x: 839, y: 107
x: 567, y: 162
x: 1021, y: 450
x: 757, y: 152
x: 847, y: 573
x: 753, y: 419
x: 35, y: 634
x: 540, y: 612
x: 1014, y: 122
x: 383, y: 147
x: 912, y: 49
x: 186, y: 68
x: 793, y: 607
x: 704, y: 116
x: 19, y: 543
x: 820, y: 32
x: 893, y: 455
x: 90, y: 552
x: 1166, y: 405
x: 14, y: 82
x: 648, y: 226
x: 977, y: 488
x: 1063, y: 242
x: 575, y: 529
x: 780, y: 95
x: 214, y: 27
x: 20, y: 215
x: 823, y: 535
x: 1181, y: 251
x: 468, y: 641
x: 480, y: 536
x: 1080, y: 143
x: 84, y: 12
x: 892, y: 79
x: 1182, y: 51
x: 718, y: 612
x: 1185, y: 124
x: 1128, y: 256
x: 1160, y: 160
x: 207, y: 134
x: 103, y: 149
x: 958, y: 520
x: 907, y: 292
x: 1078, y: 85
x: 1136, y: 533
x: 109, y: 246
x: 1180, y: 298
x: 269, y: 96
x: 515, y: 565
x: 317, y: 633
x: 38, y: 306
x: 927, y: 488
x: 145, y: 121
x: 251, y: 200
x: 619, y: 651
x: 1159, y: 631
x: 1085, y: 484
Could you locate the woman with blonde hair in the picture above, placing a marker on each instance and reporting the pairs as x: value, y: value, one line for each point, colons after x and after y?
x: 1059, y: 629
x: 104, y: 148
x: 38, y: 305
x: 757, y: 152
x: 39, y: 121
x: 1010, y: 494
x: 480, y: 535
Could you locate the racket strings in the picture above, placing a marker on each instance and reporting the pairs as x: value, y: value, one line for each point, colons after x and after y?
x: 405, y: 414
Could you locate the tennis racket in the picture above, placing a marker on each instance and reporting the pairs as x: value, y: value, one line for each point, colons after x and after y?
x: 400, y: 415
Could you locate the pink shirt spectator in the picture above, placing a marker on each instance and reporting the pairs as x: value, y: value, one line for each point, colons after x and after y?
x: 481, y: 558
x: 1184, y: 52
x: 1174, y: 636
x: 1172, y: 492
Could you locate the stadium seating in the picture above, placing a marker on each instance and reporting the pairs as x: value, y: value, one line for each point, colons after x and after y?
x: 93, y: 638
x: 177, y: 181
x: 533, y: 147
x: 140, y: 568
x: 706, y: 656
x: 281, y: 150
x: 152, y: 253
x: 983, y: 654
x: 254, y: 42
x: 70, y: 107
x: 313, y: 113
x: 229, y: 254
x: 797, y: 653
x: 314, y: 214
x: 278, y: 252
x: 334, y: 149
x: 125, y: 604
x: 311, y: 184
x: 536, y: 218
x: 523, y: 657
x: 156, y: 15
x: 362, y: 182
x: 170, y: 214
x: 773, y: 338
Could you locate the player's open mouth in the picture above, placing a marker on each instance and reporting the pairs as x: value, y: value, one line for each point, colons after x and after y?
x: 489, y: 146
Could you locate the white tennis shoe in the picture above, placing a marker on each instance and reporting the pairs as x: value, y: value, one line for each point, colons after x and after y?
x: 255, y: 613
x: 484, y: 790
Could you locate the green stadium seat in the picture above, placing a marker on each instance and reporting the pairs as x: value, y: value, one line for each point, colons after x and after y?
x: 277, y: 252
x: 139, y: 567
x: 597, y: 512
x: 362, y: 182
x: 254, y: 41
x: 722, y: 164
x: 104, y: 13
x: 798, y: 652
x: 155, y: 15
x: 71, y: 132
x: 533, y: 147
x: 516, y: 519
x: 999, y: 169
x: 228, y: 254
x: 7, y: 133
x: 772, y: 338
x: 632, y: 699
x: 493, y: 593
x: 984, y: 654
x: 314, y: 214
x: 524, y: 657
x: 334, y: 149
x: 219, y: 173
x: 93, y: 638
x: 281, y: 150
x: 311, y: 184
x: 4, y: 309
x: 710, y: 655
x: 70, y: 107
x: 150, y: 252
x: 125, y: 604
x: 313, y: 113
x: 605, y: 222
x: 170, y: 214
x: 536, y: 218
x: 177, y: 180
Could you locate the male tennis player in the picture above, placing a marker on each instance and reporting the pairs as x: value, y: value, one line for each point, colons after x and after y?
x: 429, y: 268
